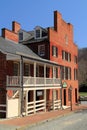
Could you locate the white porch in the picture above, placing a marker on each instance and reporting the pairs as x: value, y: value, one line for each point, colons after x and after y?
x: 30, y: 105
x: 33, y: 81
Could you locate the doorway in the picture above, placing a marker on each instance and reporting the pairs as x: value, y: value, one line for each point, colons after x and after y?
x: 76, y: 95
x: 64, y: 96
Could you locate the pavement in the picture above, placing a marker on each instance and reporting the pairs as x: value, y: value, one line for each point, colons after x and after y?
x: 21, y: 123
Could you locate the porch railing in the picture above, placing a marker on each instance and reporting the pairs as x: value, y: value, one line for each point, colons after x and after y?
x: 32, y: 81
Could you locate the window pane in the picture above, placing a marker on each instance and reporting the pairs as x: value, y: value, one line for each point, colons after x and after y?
x: 54, y: 51
x: 26, y: 70
x: 41, y: 50
x: 37, y: 33
x: 16, y: 69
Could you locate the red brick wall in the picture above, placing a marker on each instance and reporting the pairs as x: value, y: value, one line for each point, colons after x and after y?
x: 12, y: 34
x: 57, y: 38
x: 34, y: 47
x: 2, y: 78
x: 9, y: 35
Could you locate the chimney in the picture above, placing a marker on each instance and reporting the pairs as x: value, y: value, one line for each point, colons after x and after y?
x: 12, y: 34
x: 57, y: 20
x: 15, y: 27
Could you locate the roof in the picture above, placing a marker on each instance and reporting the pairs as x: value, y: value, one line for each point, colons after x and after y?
x: 11, y: 47
x: 31, y: 36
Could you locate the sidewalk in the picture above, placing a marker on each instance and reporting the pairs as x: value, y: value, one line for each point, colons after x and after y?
x: 22, y: 122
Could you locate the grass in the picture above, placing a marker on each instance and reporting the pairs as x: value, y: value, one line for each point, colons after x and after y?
x: 83, y: 93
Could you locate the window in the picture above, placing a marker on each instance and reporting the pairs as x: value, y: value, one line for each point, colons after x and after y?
x: 37, y: 71
x: 54, y: 51
x: 66, y: 56
x: 21, y: 36
x: 55, y: 73
x: 69, y: 73
x: 75, y: 74
x: 26, y: 70
x: 37, y: 33
x: 66, y: 73
x: 69, y: 57
x: 41, y: 50
x: 16, y: 69
x: 75, y: 59
x: 63, y: 55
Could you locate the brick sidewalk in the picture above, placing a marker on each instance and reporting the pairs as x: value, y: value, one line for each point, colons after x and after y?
x: 39, y: 117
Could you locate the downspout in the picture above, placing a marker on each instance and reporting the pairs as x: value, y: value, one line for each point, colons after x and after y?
x: 21, y: 83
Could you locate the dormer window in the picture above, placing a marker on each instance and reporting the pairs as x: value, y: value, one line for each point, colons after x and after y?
x: 38, y: 35
x: 40, y: 32
x: 20, y: 36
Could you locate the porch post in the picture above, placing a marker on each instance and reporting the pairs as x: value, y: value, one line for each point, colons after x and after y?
x: 45, y: 74
x: 34, y: 97
x: 45, y: 85
x: 21, y: 82
x: 53, y: 89
x: 26, y: 102
x: 34, y: 73
x: 34, y: 101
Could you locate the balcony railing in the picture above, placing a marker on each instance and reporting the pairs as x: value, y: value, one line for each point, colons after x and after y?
x: 32, y: 81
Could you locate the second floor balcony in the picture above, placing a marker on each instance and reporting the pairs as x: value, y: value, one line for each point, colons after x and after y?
x: 14, y: 81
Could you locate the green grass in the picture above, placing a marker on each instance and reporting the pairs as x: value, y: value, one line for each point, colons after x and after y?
x: 83, y: 93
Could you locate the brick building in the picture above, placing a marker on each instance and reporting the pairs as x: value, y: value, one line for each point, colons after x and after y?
x: 56, y: 44
x: 32, y: 65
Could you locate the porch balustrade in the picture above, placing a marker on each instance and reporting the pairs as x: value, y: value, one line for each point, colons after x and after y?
x: 32, y: 81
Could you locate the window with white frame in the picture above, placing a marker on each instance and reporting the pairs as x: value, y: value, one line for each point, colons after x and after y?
x: 75, y: 74
x: 38, y: 35
x: 54, y: 51
x: 66, y: 56
x: 55, y: 72
x: 41, y: 50
x: 66, y: 73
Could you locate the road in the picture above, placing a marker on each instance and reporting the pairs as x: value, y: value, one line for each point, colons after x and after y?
x: 76, y: 121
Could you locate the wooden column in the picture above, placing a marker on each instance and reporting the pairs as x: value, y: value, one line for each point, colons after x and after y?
x: 26, y: 102
x: 45, y: 85
x: 34, y: 92
x: 21, y: 82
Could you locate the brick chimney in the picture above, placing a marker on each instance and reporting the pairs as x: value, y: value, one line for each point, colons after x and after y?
x: 12, y: 34
x: 15, y: 27
x: 57, y: 20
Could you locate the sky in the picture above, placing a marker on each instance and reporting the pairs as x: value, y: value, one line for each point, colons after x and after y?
x: 31, y: 13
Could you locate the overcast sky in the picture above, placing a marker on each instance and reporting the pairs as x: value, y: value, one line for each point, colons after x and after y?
x: 30, y: 13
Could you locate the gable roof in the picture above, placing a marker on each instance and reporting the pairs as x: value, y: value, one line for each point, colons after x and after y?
x: 12, y: 47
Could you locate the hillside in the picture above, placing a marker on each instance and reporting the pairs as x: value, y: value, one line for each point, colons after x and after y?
x: 82, y: 62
